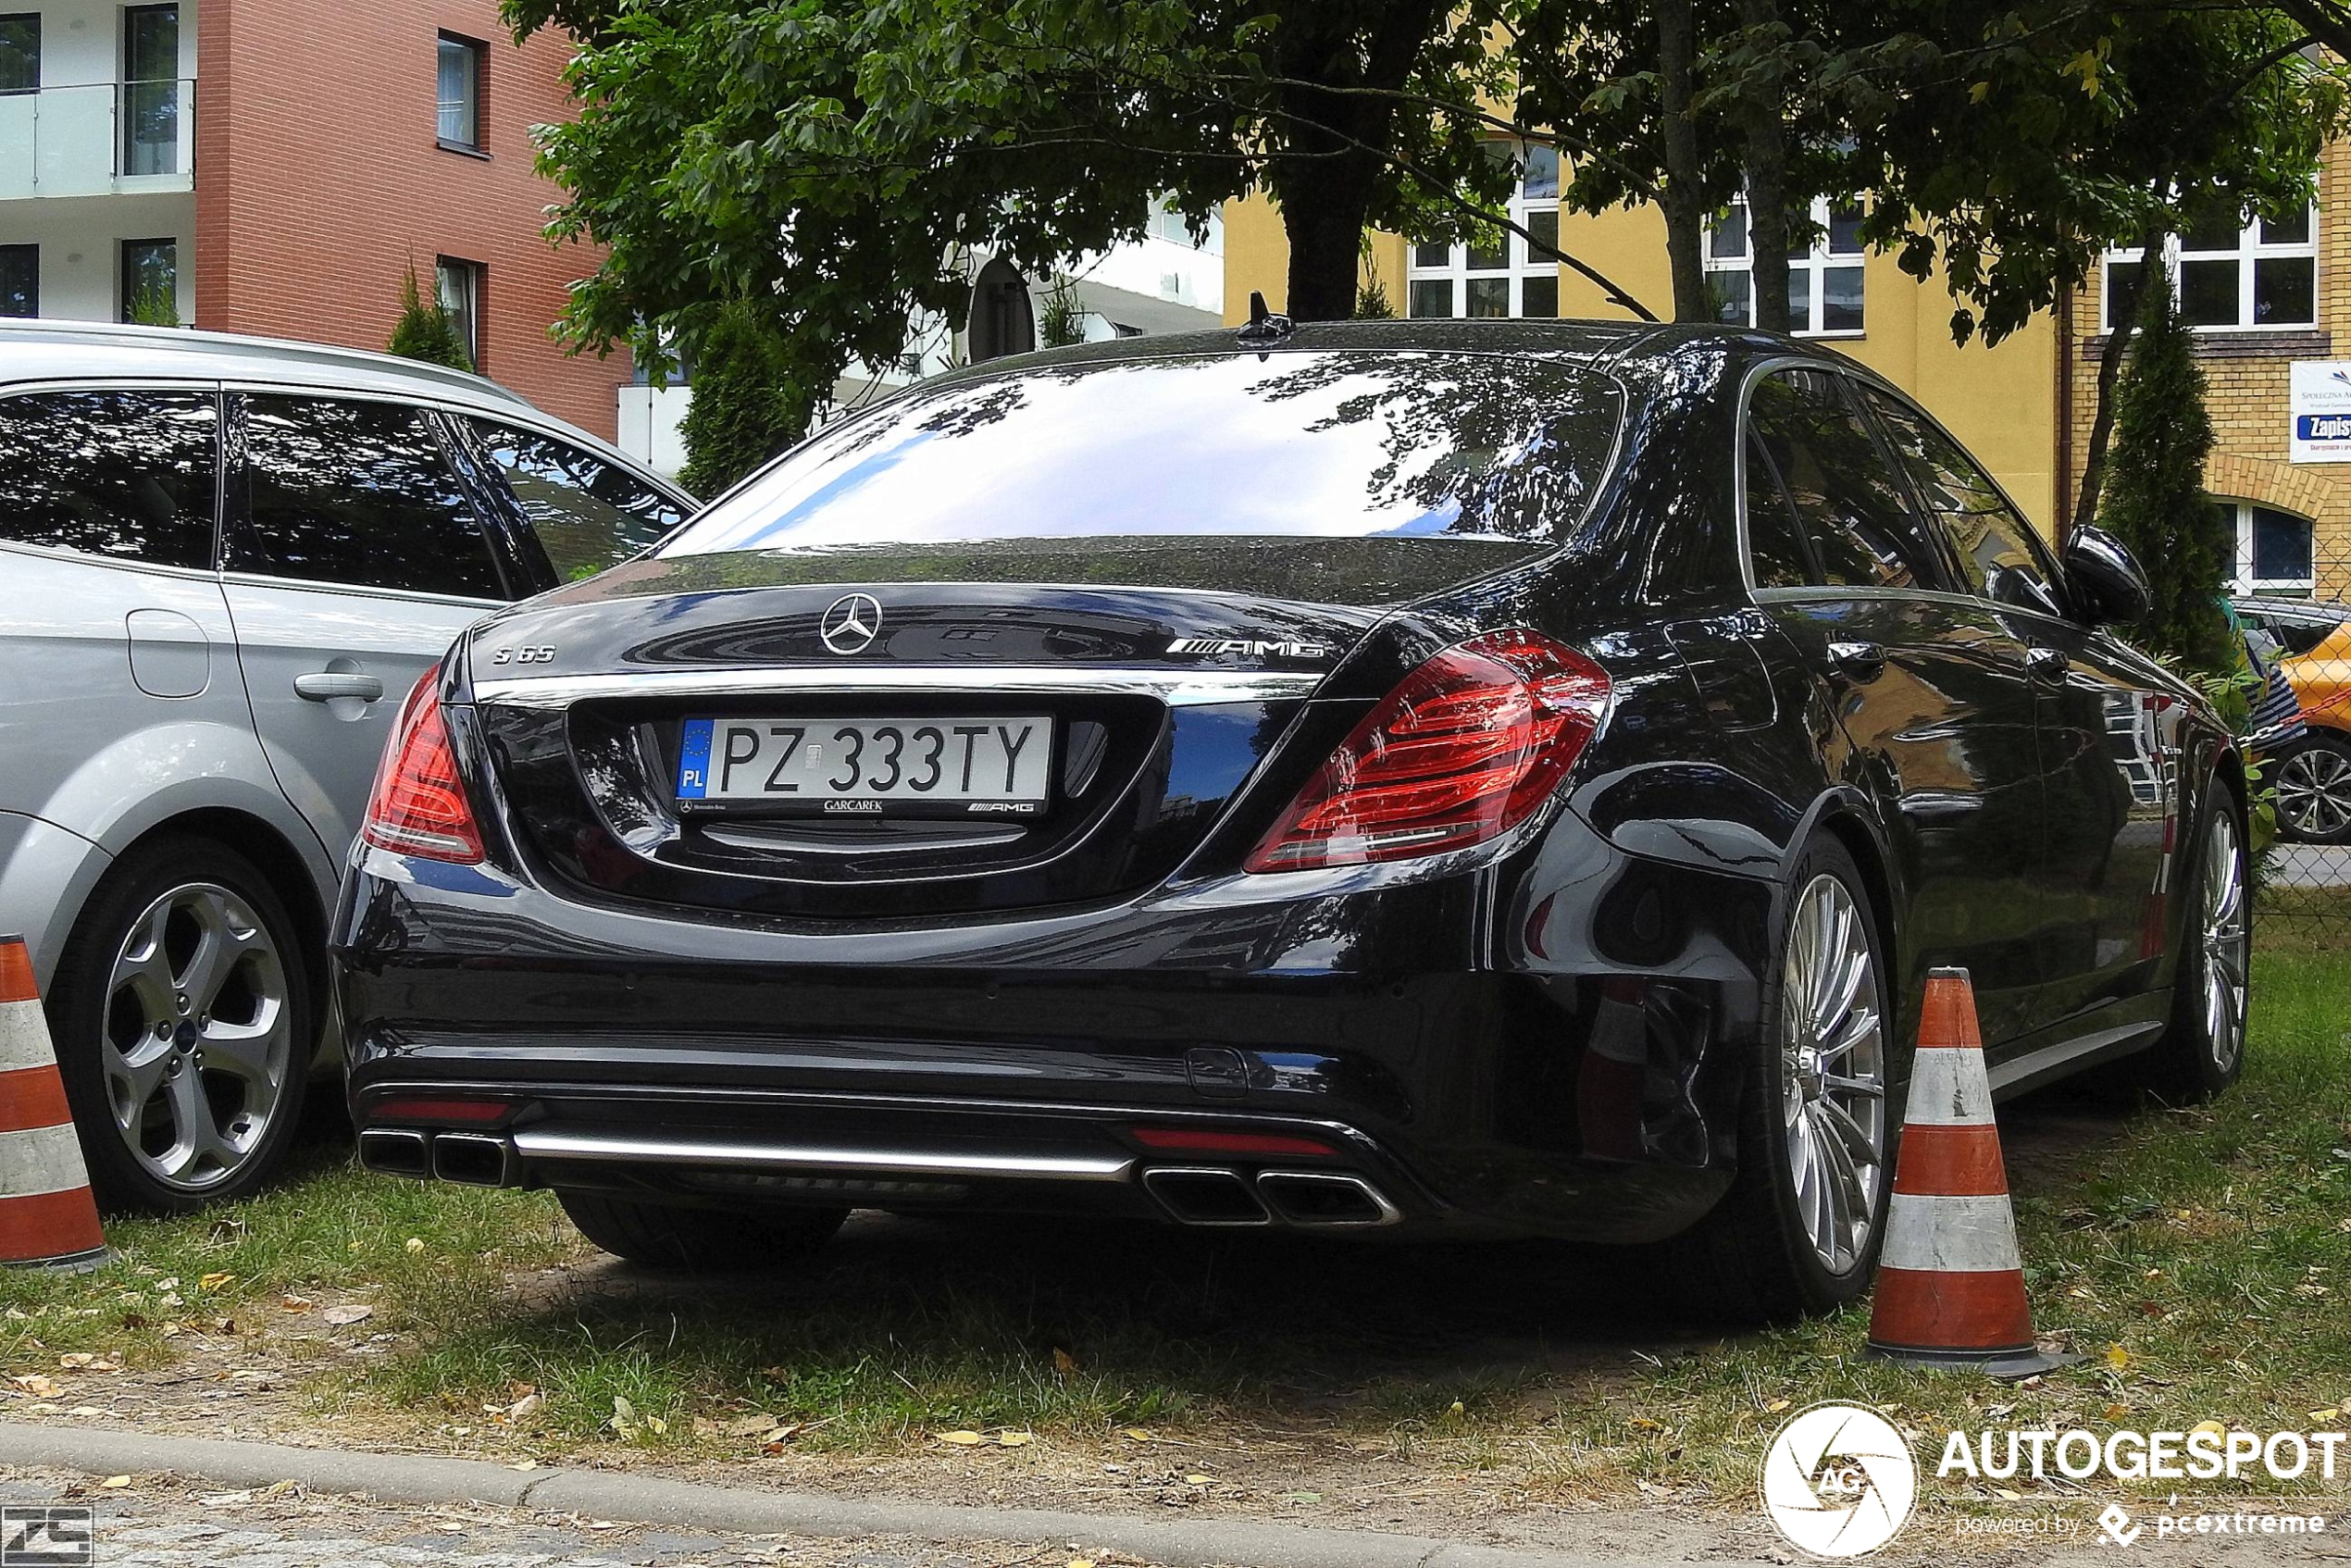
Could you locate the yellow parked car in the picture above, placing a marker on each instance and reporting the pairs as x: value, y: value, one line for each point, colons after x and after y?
x: 2312, y: 641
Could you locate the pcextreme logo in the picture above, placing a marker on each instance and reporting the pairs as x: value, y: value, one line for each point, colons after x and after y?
x: 1838, y: 1481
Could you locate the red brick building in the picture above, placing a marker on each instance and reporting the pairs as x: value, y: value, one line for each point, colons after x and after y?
x: 268, y: 167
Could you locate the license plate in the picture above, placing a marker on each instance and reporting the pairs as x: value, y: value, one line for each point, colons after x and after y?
x: 875, y: 766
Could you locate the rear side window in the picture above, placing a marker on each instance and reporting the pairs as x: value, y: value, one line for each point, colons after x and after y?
x: 587, y: 513
x: 359, y: 494
x: 1994, y: 546
x: 1837, y: 477
x: 1775, y: 542
x: 1295, y: 445
x: 127, y: 474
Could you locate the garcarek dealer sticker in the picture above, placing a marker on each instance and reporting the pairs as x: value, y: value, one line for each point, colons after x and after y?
x: 1838, y: 1481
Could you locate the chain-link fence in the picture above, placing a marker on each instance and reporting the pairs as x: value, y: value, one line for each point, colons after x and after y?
x: 2306, y: 879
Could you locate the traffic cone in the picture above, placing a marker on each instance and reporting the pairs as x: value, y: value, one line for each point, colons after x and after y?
x: 1950, y: 1281
x: 47, y: 1216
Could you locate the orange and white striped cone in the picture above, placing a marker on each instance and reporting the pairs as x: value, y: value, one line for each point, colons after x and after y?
x: 47, y: 1216
x: 1950, y: 1280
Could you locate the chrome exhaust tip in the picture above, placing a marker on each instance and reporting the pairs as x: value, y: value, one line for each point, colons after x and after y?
x: 1205, y: 1195
x: 394, y: 1151
x: 475, y: 1158
x: 1325, y: 1200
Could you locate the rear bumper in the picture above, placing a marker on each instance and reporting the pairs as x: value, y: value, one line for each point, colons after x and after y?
x: 1465, y: 1047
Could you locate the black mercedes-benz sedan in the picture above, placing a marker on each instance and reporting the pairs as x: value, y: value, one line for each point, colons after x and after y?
x: 1477, y: 778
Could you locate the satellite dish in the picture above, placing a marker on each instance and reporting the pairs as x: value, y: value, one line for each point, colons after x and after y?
x: 1003, y: 320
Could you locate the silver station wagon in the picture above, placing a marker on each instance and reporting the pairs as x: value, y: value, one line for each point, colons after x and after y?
x: 223, y: 563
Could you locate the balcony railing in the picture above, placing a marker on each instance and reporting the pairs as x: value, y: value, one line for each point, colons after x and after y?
x: 90, y: 139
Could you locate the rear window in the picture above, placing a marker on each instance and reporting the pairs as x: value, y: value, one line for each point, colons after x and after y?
x: 1325, y: 445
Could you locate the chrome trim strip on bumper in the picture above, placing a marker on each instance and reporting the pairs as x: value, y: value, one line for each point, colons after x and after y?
x: 1177, y: 687
x: 555, y: 1143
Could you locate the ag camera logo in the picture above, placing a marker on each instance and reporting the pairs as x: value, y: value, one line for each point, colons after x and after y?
x: 1838, y: 1481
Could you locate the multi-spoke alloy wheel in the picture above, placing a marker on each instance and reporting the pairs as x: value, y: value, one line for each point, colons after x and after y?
x: 198, y: 1040
x: 1832, y: 1072
x: 2314, y: 793
x: 2228, y: 943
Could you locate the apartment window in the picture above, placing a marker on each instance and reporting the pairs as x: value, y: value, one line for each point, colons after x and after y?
x: 19, y: 280
x: 20, y: 53
x: 151, y: 89
x: 460, y: 287
x: 1170, y: 224
x: 460, y: 92
x: 2275, y: 555
x: 1498, y: 273
x: 2228, y: 279
x: 1823, y: 273
x: 150, y: 283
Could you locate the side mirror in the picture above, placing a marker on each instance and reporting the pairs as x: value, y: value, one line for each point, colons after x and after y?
x: 2103, y: 581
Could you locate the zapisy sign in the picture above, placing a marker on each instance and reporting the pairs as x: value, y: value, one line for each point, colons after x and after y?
x: 2319, y: 400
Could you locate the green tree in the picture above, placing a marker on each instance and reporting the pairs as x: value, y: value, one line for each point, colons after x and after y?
x: 836, y: 159
x: 2155, y: 501
x: 425, y: 330
x: 746, y: 405
x: 1062, y: 321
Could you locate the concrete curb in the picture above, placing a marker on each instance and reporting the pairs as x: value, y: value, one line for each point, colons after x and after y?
x: 1178, y: 1541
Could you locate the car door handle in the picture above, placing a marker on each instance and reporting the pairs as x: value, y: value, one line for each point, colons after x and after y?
x: 2047, y: 664
x: 325, y: 686
x: 1863, y: 661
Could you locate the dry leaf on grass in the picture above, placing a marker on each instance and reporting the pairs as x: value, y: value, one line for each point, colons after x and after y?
x: 343, y: 1317
x: 962, y: 1439
x: 37, y: 1386
x: 115, y: 1482
x: 1014, y: 1439
x: 1063, y: 1362
x: 214, y: 1281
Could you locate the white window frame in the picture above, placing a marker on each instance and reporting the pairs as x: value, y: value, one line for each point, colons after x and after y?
x: 2242, y: 579
x: 1816, y: 264
x: 2250, y: 248
x: 1518, y: 266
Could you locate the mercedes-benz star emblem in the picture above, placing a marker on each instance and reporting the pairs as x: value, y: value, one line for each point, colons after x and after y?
x: 851, y: 623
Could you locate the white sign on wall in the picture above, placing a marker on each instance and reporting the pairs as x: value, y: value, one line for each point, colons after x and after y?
x: 2319, y: 399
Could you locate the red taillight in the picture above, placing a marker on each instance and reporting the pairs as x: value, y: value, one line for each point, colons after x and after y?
x: 1467, y: 748
x: 418, y: 806
x: 1211, y: 1140
x: 416, y: 1108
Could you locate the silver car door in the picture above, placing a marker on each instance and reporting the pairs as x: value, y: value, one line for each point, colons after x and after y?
x: 353, y: 558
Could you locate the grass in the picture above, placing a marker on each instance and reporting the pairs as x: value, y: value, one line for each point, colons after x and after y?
x: 2201, y: 1257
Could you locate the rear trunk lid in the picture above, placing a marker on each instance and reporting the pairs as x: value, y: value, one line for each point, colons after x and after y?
x: 1150, y: 704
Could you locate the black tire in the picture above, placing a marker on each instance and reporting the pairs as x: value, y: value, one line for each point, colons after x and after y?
x: 2313, y: 781
x: 677, y: 1238
x: 2190, y: 1061
x: 84, y: 1012
x: 1753, y: 1258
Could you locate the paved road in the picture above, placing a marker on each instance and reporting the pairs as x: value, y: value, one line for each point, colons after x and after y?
x: 159, y: 1525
